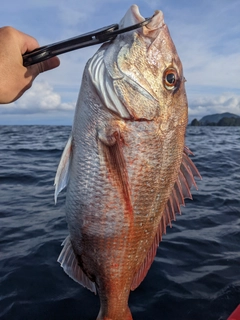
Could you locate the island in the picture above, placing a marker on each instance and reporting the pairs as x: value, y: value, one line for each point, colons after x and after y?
x: 218, y: 119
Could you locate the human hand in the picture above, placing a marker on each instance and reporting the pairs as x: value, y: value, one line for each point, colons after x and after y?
x: 15, y: 79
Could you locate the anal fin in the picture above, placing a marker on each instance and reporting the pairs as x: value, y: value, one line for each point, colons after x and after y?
x: 70, y: 265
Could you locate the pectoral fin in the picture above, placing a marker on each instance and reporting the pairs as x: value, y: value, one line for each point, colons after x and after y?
x: 62, y: 175
x: 111, y: 151
x: 180, y: 191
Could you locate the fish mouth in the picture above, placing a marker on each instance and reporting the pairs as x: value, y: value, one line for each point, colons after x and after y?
x: 133, y: 16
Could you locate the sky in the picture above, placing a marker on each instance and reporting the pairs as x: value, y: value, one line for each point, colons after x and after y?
x: 206, y: 34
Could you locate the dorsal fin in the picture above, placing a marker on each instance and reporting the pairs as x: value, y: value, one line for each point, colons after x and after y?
x: 180, y: 191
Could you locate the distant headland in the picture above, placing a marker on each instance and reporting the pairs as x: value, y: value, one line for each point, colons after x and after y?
x: 218, y: 119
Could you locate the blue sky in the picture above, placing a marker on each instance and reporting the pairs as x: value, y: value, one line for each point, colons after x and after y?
x: 206, y: 34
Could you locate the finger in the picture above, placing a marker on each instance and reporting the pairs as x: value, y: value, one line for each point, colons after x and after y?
x: 43, y: 66
x: 49, y: 64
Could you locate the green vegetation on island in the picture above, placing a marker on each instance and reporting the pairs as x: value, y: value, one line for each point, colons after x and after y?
x: 219, y: 119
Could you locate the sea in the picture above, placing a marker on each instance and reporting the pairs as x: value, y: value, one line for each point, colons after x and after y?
x: 196, y: 272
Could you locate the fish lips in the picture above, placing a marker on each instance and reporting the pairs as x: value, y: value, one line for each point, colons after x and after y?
x: 133, y: 16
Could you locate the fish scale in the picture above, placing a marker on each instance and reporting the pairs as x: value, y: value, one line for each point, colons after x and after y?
x: 125, y: 165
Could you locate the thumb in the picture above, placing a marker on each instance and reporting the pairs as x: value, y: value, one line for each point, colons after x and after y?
x: 43, y: 66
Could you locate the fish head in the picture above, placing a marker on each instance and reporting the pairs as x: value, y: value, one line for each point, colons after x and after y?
x: 139, y: 75
x: 145, y: 72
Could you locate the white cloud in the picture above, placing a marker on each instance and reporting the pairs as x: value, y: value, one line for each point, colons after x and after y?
x: 212, y: 69
x: 203, y: 105
x: 41, y: 98
x: 207, y: 40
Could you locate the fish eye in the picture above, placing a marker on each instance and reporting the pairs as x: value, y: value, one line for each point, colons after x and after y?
x: 170, y: 78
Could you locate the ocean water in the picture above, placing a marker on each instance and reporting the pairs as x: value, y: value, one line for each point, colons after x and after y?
x: 196, y: 273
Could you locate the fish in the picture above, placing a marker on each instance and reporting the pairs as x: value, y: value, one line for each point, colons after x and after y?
x: 125, y: 165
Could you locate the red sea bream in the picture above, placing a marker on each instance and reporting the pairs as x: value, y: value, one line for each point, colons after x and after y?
x: 126, y: 167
